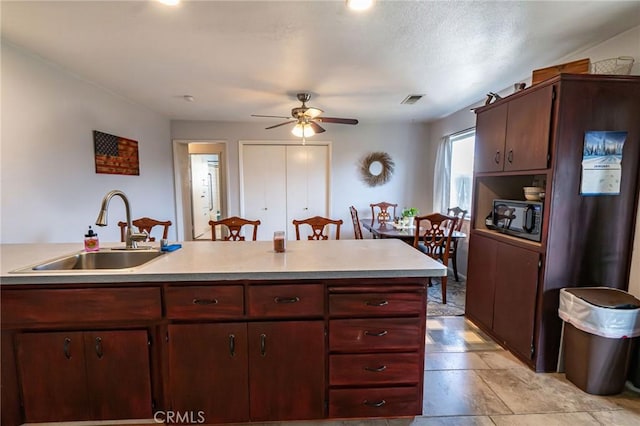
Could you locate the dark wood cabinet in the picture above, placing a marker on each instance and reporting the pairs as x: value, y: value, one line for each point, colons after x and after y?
x: 97, y: 375
x: 376, y: 351
x: 208, y: 371
x: 515, y: 134
x: 215, y: 352
x: 513, y: 284
x: 286, y: 367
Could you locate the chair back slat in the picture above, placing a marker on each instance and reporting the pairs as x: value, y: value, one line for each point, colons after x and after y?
x: 234, y: 226
x: 318, y: 226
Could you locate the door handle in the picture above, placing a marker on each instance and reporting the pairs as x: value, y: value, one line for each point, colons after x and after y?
x: 99, y: 350
x: 66, y: 349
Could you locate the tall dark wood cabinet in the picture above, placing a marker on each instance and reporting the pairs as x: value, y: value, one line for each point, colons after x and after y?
x: 536, y: 136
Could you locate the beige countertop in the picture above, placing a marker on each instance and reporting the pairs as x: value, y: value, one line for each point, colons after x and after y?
x: 222, y: 260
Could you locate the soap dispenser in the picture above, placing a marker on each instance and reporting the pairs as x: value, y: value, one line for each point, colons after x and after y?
x: 91, y: 242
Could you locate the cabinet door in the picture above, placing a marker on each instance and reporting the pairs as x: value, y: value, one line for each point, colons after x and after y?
x: 287, y: 370
x: 515, y: 297
x: 208, y: 371
x: 528, y: 128
x: 118, y: 373
x: 490, y: 138
x: 53, y: 377
x: 481, y: 276
x: 264, y: 185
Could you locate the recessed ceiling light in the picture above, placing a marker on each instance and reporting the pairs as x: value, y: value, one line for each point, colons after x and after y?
x: 169, y: 2
x: 188, y: 98
x: 359, y: 4
x: 411, y: 99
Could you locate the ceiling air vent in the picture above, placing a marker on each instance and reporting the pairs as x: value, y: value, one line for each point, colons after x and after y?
x: 411, y: 99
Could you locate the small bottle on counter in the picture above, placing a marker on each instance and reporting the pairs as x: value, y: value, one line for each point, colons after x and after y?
x: 91, y: 242
x: 278, y: 242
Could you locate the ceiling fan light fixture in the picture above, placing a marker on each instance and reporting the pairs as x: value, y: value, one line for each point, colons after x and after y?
x: 359, y: 5
x: 303, y: 130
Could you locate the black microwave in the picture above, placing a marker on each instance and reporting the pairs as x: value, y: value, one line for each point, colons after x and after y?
x: 518, y: 218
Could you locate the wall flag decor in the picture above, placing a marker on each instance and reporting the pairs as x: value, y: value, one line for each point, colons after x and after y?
x: 376, y: 168
x: 115, y: 155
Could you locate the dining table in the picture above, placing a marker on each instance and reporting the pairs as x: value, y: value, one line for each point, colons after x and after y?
x: 390, y: 230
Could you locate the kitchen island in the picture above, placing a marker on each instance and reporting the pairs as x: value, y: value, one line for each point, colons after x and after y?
x: 217, y: 332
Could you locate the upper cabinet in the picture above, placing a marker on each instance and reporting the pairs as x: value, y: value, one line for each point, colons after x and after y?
x: 515, y: 134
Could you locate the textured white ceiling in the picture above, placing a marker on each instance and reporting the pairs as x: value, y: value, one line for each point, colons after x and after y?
x: 239, y: 58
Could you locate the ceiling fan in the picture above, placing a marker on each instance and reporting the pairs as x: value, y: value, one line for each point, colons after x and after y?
x: 307, y: 118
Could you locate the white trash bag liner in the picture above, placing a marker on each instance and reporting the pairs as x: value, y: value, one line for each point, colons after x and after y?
x: 606, y: 322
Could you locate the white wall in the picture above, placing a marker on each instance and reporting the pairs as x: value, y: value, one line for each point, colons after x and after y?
x: 625, y: 44
x: 405, y: 143
x: 50, y: 191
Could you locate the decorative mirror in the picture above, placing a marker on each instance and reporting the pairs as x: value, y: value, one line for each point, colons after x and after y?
x: 376, y: 168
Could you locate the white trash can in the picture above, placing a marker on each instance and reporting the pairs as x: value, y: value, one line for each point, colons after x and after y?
x: 600, y: 323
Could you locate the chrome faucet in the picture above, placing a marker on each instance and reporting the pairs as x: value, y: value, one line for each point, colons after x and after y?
x: 131, y: 238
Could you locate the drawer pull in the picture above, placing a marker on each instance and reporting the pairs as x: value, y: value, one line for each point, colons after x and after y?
x: 66, y: 349
x: 510, y: 156
x: 263, y: 345
x: 205, y: 301
x: 99, y: 351
x: 375, y: 333
x: 376, y: 369
x: 232, y: 344
x: 374, y: 403
x: 497, y: 157
x: 286, y: 299
x: 376, y: 302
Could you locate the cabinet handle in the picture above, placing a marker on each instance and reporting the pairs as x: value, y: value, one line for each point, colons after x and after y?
x: 264, y: 208
x: 510, y: 156
x: 374, y: 403
x: 99, y: 347
x: 286, y: 299
x: 376, y: 302
x: 376, y: 369
x: 232, y: 344
x: 497, y: 157
x: 263, y: 344
x: 66, y: 349
x: 205, y: 301
x: 375, y: 333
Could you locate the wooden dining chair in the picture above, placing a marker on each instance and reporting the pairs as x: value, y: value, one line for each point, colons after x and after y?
x: 234, y: 225
x: 433, y: 238
x: 318, y: 226
x: 357, y: 231
x: 458, y: 213
x: 145, y: 224
x: 383, y: 214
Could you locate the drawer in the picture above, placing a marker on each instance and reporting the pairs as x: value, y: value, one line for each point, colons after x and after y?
x: 204, y: 302
x: 375, y: 369
x: 375, y: 402
x: 36, y: 306
x: 372, y: 335
x: 377, y: 304
x: 286, y: 300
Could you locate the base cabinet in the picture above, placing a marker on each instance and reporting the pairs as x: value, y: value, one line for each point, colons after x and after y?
x: 97, y: 375
x: 215, y: 352
x: 501, y: 292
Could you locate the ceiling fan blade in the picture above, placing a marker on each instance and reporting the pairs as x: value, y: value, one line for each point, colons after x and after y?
x: 281, y: 124
x: 269, y: 116
x: 316, y: 127
x: 337, y: 120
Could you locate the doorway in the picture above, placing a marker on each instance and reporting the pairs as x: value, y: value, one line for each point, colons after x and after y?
x: 201, y: 194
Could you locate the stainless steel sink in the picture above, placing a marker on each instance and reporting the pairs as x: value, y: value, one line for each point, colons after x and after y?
x: 99, y: 260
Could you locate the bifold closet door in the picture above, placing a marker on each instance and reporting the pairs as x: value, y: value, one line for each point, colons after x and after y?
x: 284, y: 182
x: 307, y: 183
x: 264, y: 182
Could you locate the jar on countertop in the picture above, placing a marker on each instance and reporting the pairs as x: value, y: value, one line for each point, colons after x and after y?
x: 91, y: 242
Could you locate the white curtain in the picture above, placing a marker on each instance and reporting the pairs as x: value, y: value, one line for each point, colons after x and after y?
x: 442, y: 176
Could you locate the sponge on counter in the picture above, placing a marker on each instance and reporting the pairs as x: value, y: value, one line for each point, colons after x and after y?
x: 171, y: 247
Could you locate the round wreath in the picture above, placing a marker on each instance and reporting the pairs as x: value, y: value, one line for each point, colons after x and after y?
x: 387, y: 168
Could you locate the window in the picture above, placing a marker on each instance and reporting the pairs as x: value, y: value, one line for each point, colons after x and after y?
x: 461, y: 180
